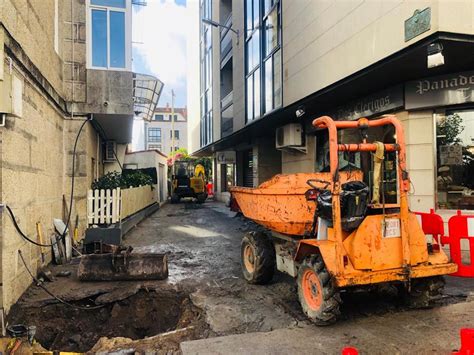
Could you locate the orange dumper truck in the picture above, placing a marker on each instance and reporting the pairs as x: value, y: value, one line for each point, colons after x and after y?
x: 332, y: 232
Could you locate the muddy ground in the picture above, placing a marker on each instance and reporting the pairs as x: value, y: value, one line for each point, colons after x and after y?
x: 205, y: 295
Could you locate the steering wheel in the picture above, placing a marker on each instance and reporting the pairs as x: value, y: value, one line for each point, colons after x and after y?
x: 311, y: 181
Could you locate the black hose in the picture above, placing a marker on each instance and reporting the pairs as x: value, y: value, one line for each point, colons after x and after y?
x: 63, y: 236
x: 20, y: 232
x: 40, y: 284
x: 73, y: 177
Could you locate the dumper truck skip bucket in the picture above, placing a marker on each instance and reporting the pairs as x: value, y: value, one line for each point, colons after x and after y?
x: 385, y: 245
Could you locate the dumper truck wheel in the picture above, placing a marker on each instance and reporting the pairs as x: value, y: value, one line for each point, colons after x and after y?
x: 319, y: 298
x: 257, y: 258
x: 201, y: 198
x: 424, y: 292
x: 175, y: 198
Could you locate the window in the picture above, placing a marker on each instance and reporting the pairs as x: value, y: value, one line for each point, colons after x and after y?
x: 455, y: 160
x: 159, y: 118
x: 176, y: 134
x: 154, y: 135
x: 175, y: 117
x: 263, y: 57
x: 206, y: 75
x: 154, y: 146
x: 175, y: 149
x: 109, y: 34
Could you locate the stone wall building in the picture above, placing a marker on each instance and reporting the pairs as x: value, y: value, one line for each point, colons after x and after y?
x: 266, y: 64
x: 58, y: 68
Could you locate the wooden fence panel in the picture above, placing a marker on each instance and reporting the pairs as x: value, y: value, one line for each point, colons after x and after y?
x: 111, y: 206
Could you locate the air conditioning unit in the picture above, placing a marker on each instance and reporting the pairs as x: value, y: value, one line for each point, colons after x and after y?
x: 110, y: 149
x: 290, y: 137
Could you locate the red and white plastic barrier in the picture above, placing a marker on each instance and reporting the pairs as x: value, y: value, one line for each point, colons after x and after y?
x: 461, y: 227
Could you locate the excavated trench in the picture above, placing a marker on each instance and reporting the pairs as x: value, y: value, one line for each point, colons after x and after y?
x: 141, y: 315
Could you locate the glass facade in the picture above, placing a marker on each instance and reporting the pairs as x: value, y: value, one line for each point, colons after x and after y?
x: 455, y: 160
x: 262, y: 57
x: 206, y: 134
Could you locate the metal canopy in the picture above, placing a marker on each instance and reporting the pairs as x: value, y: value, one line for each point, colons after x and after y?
x: 146, y: 93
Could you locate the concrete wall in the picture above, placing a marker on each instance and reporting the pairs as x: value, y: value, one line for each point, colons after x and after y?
x: 149, y: 159
x: 108, y: 92
x: 319, y: 36
x: 420, y: 141
x: 296, y: 162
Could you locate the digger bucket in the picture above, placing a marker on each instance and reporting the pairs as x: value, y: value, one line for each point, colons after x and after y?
x: 114, y: 267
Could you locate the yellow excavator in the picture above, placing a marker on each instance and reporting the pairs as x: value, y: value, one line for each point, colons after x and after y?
x: 189, y: 181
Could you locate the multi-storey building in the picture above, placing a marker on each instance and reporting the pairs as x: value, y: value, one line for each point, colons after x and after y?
x: 61, y: 62
x: 159, y: 131
x: 269, y: 67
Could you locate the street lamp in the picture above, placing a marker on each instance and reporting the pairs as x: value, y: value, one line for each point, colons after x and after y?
x: 217, y: 24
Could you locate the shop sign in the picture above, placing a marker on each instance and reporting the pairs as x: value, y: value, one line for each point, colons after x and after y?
x: 226, y: 157
x: 383, y: 101
x: 451, y: 89
x: 419, y: 23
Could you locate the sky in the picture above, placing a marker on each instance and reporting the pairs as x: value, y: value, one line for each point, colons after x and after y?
x: 159, y: 48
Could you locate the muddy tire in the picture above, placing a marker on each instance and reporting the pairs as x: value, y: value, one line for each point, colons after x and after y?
x: 424, y: 292
x: 257, y: 258
x: 175, y: 198
x: 201, y: 198
x: 318, y: 296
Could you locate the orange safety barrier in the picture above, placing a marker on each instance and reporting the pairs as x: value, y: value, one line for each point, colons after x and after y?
x: 349, y: 350
x: 432, y: 224
x: 461, y: 227
x: 210, y: 189
x: 467, y: 342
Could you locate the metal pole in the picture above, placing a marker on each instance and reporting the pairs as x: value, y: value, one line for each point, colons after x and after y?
x: 172, y: 132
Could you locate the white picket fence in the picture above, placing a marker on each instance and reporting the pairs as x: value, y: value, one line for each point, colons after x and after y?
x: 111, y: 206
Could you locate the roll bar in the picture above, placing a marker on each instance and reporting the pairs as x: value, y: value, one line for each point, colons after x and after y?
x: 364, y: 124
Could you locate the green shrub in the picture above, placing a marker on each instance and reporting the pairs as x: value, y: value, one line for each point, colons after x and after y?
x: 114, y: 179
